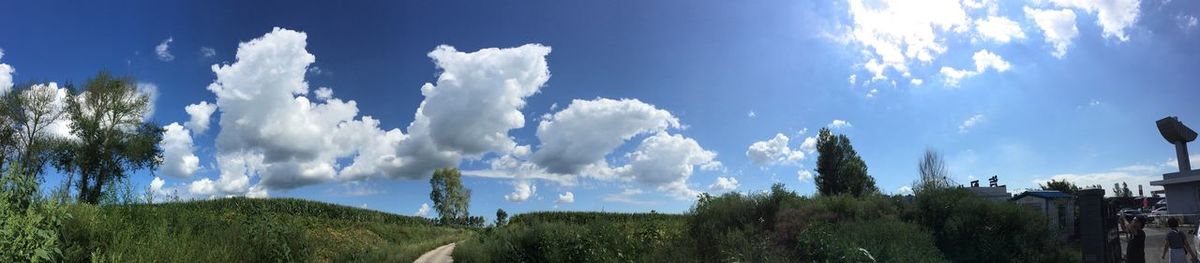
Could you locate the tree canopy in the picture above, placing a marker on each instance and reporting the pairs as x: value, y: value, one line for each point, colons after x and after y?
x: 839, y: 168
x: 449, y: 197
x: 932, y: 170
x: 1061, y: 186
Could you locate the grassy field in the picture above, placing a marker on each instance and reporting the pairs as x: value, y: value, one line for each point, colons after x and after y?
x: 247, y: 230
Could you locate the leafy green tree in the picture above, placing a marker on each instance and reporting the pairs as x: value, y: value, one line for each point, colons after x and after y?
x: 501, y: 217
x: 933, y: 173
x: 449, y: 196
x: 1061, y: 186
x: 839, y: 169
x: 113, y: 138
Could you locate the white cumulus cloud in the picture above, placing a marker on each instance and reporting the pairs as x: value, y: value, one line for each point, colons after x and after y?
x: 774, y: 151
x: 723, y: 184
x: 897, y: 32
x: 179, y: 161
x: 423, y: 211
x: 587, y: 130
x: 804, y: 175
x: 999, y: 29
x: 566, y: 198
x: 1058, y: 27
x: 1113, y: 16
x: 839, y: 124
x: 200, y: 116
x: 6, y: 80
x: 521, y: 191
x: 666, y: 161
x: 984, y: 60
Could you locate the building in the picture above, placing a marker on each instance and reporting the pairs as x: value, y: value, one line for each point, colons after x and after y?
x: 1183, y: 187
x: 996, y: 194
x: 1057, y: 207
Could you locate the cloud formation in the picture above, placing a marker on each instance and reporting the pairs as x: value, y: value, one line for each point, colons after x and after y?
x: 521, y: 191
x: 774, y: 151
x: 723, y: 184
x: 1058, y: 27
x: 970, y: 122
x: 984, y: 60
x: 178, y: 159
x: 588, y: 130
x: 200, y: 116
x: 163, y: 50
x: 666, y: 161
x: 565, y: 198
x: 6, y: 80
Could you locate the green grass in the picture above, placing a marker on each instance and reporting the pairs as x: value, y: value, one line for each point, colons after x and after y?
x: 247, y: 230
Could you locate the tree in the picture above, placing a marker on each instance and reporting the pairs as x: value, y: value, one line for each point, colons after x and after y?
x: 839, y: 169
x: 501, y: 217
x: 1061, y: 186
x: 1117, y: 190
x: 933, y: 173
x: 449, y: 196
x: 113, y: 139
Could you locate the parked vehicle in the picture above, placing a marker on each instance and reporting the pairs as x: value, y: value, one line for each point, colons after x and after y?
x: 1131, y: 213
x: 1161, y: 211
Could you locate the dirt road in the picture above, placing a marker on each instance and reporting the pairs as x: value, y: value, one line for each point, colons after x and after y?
x: 437, y: 255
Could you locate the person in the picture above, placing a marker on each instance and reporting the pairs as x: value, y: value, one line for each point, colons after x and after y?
x: 1135, y: 249
x: 1176, y: 243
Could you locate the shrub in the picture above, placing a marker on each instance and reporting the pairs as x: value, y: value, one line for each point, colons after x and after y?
x: 970, y: 229
x: 28, y: 223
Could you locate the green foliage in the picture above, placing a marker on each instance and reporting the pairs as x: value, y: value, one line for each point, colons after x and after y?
x: 575, y: 237
x: 501, y: 217
x: 1061, y: 186
x: 28, y: 224
x: 113, y: 139
x: 970, y: 229
x: 839, y: 168
x: 246, y: 230
x: 450, y: 198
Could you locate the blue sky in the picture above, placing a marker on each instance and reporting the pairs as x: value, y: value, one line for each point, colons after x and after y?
x: 1028, y: 91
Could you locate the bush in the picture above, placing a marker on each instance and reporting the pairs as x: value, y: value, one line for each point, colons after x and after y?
x: 28, y: 223
x: 970, y: 229
x: 574, y: 237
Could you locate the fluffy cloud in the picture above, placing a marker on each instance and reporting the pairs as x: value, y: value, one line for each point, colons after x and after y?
x: 566, y: 198
x: 723, y: 184
x: 970, y: 122
x: 809, y: 145
x: 478, y: 96
x: 163, y: 50
x: 587, y: 130
x: 984, y: 60
x: 1058, y: 26
x: 270, y: 128
x: 666, y: 161
x: 904, y: 190
x: 423, y: 211
x: 804, y: 175
x: 6, y: 71
x: 200, y: 114
x: 999, y: 29
x: 896, y: 32
x: 774, y: 151
x: 178, y: 159
x: 1113, y: 16
x: 521, y: 191
x: 839, y: 124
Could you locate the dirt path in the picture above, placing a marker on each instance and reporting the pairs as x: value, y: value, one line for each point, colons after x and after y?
x: 440, y: 254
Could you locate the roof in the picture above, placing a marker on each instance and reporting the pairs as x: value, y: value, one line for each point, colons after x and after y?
x: 1042, y: 194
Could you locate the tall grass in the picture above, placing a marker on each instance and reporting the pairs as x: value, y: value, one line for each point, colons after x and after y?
x: 246, y: 230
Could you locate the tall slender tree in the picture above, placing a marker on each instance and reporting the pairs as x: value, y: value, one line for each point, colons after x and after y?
x: 932, y: 170
x: 449, y: 196
x: 113, y: 139
x: 839, y: 168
